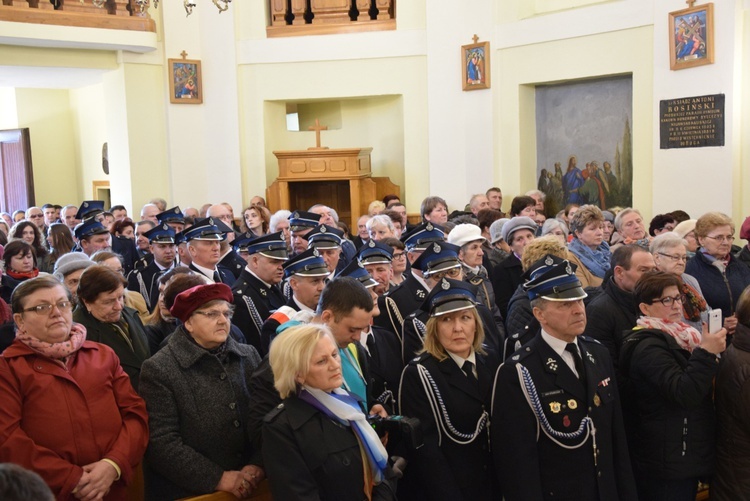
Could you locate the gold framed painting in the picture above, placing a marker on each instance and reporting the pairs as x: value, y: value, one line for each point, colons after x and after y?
x: 185, y: 82
x: 475, y: 64
x: 691, y: 37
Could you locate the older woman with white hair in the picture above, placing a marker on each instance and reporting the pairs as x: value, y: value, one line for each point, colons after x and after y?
x: 318, y: 444
x: 630, y: 229
x: 380, y: 227
x: 557, y: 229
x: 280, y: 222
x: 670, y: 255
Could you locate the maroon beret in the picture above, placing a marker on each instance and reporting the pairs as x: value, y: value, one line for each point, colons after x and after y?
x: 190, y: 300
x: 745, y: 229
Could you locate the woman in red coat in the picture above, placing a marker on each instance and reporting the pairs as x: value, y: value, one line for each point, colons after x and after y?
x: 68, y: 410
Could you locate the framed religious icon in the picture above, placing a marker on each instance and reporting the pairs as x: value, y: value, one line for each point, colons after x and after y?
x: 475, y: 64
x: 185, y: 83
x: 691, y: 37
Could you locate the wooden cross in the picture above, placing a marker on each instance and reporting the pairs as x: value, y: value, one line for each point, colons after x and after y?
x: 690, y: 3
x: 476, y: 38
x: 184, y: 54
x: 317, y: 128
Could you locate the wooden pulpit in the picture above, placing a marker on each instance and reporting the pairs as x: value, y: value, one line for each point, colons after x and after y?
x: 340, y: 178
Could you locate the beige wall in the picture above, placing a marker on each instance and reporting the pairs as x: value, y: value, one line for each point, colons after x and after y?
x: 89, y: 127
x: 47, y: 113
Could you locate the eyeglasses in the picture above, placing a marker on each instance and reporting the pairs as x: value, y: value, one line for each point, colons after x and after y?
x: 215, y: 315
x: 668, y: 301
x: 399, y: 255
x: 674, y: 258
x: 722, y: 238
x: 46, y: 309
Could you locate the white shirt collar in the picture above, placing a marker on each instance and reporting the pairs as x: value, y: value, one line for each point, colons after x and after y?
x: 206, y: 271
x: 256, y: 276
x: 460, y: 360
x: 302, y: 307
x: 421, y: 281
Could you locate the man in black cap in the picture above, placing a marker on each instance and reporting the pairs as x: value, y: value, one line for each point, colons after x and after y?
x: 173, y: 217
x: 256, y: 291
x: 146, y: 281
x: 229, y: 259
x: 300, y: 224
x: 557, y: 428
x: 327, y: 241
x: 306, y: 274
x: 92, y: 236
x: 406, y: 297
x: 376, y: 258
x: 125, y: 247
x: 203, y: 245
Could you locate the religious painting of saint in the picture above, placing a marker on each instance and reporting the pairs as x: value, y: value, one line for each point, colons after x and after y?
x: 475, y: 63
x: 691, y: 37
x: 185, y: 82
x: 584, y: 143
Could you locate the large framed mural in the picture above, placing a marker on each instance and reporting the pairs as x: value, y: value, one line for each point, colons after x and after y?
x: 584, y: 143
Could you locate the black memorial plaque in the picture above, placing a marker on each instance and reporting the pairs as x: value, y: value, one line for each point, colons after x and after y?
x: 692, y: 122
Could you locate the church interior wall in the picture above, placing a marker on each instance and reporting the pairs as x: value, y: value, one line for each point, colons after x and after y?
x: 90, y: 130
x: 382, y: 106
x: 48, y: 115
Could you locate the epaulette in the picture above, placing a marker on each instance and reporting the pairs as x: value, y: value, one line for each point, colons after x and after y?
x: 420, y: 358
x: 273, y: 414
x: 476, y: 281
x: 239, y: 288
x: 521, y: 354
x: 589, y: 339
x: 518, y: 335
x: 414, y: 314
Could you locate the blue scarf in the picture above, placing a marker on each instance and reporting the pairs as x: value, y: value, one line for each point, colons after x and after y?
x: 596, y: 261
x: 342, y: 407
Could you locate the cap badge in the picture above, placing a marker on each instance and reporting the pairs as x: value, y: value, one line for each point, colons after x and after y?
x: 445, y: 285
x: 568, y: 270
x: 360, y: 264
x: 295, y: 215
x: 371, y: 244
x: 436, y: 248
x: 316, y: 253
x: 323, y: 229
x: 429, y: 227
x: 165, y: 226
x: 85, y: 204
x: 549, y: 261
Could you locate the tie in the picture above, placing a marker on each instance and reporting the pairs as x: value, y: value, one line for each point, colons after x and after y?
x: 467, y: 368
x: 371, y: 344
x: 217, y: 278
x: 573, y: 349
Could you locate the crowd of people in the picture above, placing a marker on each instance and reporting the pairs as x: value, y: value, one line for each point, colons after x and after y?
x: 472, y: 354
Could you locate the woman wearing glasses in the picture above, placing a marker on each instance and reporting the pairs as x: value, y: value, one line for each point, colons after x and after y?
x: 670, y: 256
x: 101, y: 309
x: 721, y: 276
x: 668, y: 369
x: 69, y: 411
x: 197, y: 396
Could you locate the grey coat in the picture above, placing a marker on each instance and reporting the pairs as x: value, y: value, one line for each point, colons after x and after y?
x: 198, y: 415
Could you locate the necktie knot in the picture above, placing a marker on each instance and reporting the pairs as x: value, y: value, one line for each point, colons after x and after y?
x: 468, y: 369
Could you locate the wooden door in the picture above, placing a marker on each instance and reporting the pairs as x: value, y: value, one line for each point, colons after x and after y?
x: 16, y: 174
x: 335, y: 194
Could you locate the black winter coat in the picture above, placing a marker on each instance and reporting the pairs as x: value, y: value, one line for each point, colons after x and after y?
x: 720, y: 290
x: 732, y: 479
x: 669, y: 406
x: 609, y: 316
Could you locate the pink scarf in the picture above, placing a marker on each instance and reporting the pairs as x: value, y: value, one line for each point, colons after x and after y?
x: 59, y: 352
x: 686, y: 336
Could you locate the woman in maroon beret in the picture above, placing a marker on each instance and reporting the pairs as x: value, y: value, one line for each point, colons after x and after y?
x: 197, y: 396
